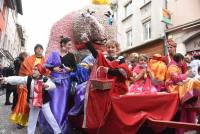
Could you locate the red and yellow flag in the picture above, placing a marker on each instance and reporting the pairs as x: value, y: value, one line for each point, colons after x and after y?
x: 100, y: 2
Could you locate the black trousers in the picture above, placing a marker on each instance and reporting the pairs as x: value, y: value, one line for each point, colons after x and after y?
x: 15, y: 98
x: 11, y: 89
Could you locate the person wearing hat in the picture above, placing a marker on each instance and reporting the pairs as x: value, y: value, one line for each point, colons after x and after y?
x: 171, y: 47
x: 20, y: 112
x: 37, y: 97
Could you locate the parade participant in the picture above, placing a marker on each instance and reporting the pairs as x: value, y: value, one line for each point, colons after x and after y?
x: 187, y: 88
x: 98, y: 103
x: 142, y: 76
x: 81, y: 76
x: 37, y: 96
x: 176, y: 80
x: 171, y: 45
x: 158, y: 68
x: 61, y: 64
x: 17, y: 63
x: 188, y: 58
x: 114, y: 65
x: 20, y: 113
x: 133, y: 60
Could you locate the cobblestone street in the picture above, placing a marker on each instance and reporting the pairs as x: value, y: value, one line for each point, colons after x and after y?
x: 6, y: 127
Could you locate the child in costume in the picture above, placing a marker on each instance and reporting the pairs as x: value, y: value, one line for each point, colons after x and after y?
x: 38, y: 96
x: 142, y: 76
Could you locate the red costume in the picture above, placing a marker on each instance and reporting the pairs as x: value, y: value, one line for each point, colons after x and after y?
x: 98, y: 103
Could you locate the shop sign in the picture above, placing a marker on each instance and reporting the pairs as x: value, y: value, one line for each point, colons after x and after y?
x: 166, y: 16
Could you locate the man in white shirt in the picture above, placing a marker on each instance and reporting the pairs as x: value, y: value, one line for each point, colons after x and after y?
x: 194, y: 64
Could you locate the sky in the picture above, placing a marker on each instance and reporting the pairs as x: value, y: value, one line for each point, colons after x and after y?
x: 40, y: 15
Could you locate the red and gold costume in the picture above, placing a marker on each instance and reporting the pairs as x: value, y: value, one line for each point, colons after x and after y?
x: 21, y: 110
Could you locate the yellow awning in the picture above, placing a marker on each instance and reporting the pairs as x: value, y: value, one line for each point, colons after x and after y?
x: 100, y: 2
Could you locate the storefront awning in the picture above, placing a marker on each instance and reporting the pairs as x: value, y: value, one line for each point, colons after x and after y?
x: 18, y: 7
x: 6, y: 54
x: 149, y: 48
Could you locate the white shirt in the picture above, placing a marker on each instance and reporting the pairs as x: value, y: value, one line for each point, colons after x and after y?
x: 15, y: 80
x: 194, y: 64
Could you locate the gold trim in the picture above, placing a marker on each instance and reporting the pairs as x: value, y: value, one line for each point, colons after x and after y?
x: 19, y: 118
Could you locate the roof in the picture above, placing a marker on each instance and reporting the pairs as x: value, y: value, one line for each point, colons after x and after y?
x: 189, y: 24
x: 6, y: 53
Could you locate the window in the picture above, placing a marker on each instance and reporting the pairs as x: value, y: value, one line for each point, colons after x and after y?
x: 146, y: 9
x: 129, y: 38
x: 128, y: 9
x: 147, y: 30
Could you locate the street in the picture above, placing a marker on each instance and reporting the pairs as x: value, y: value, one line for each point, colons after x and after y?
x: 6, y: 127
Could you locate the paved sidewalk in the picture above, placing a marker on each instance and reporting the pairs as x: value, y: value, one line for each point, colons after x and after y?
x: 2, y: 92
x: 6, y: 127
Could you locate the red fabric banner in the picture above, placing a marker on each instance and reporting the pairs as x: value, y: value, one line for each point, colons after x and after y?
x: 127, y: 113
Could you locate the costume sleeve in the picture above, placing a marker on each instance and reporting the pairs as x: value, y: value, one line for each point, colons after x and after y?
x: 53, y: 60
x: 184, y: 67
x: 73, y: 62
x: 15, y: 80
x: 114, y: 72
x: 120, y: 72
x: 175, y: 76
x: 92, y: 49
x: 50, y: 84
x: 178, y: 78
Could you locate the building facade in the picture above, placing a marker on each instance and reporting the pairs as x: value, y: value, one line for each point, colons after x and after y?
x: 185, y: 28
x: 12, y: 40
x: 139, y: 26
